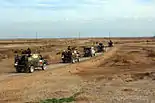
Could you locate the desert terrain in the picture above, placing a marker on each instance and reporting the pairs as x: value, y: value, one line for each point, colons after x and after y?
x: 123, y: 74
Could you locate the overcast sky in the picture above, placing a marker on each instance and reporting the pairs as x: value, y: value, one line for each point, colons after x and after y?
x: 65, y: 18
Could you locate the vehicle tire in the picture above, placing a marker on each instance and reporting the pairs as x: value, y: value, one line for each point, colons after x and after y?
x: 78, y: 60
x: 43, y: 67
x: 31, y: 69
x: 64, y: 61
x: 91, y: 55
x: 46, y: 62
x: 73, y: 60
x: 18, y: 70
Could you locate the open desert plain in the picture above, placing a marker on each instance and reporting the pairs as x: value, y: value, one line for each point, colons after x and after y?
x: 124, y: 73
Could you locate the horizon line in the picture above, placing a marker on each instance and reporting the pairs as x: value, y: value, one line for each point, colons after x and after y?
x: 105, y: 37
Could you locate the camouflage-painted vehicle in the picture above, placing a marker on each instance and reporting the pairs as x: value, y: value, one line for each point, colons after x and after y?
x: 28, y: 63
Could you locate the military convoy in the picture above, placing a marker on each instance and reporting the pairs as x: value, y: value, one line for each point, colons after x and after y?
x: 28, y: 62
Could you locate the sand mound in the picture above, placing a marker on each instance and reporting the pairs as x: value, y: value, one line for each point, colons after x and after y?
x: 123, y: 60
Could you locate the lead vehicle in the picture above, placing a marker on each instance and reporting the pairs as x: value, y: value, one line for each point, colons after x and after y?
x: 28, y: 64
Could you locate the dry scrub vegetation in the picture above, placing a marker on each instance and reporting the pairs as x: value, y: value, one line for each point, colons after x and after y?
x: 123, y: 75
x: 122, y: 78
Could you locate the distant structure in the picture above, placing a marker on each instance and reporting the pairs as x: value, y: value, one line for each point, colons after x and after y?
x: 36, y: 35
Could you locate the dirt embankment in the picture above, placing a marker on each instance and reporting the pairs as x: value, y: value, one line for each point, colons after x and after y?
x: 126, y: 59
x: 128, y: 76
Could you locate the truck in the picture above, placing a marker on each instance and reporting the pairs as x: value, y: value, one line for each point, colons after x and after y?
x: 29, y: 63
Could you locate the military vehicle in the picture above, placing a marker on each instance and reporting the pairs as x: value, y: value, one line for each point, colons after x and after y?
x: 28, y: 63
x: 110, y: 44
x: 70, y: 57
x: 100, y: 47
x: 89, y: 52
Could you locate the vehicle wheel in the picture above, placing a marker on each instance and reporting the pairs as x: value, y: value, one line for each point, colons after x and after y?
x: 44, y: 67
x: 18, y: 70
x: 64, y: 61
x: 73, y: 60
x: 31, y: 69
x: 46, y: 62
x: 78, y: 59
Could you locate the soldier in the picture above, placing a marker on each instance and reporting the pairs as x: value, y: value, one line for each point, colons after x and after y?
x: 110, y: 43
x: 69, y: 48
x: 63, y: 53
x: 23, y: 51
x: 28, y: 51
x: 92, y: 51
x: 16, y: 56
x: 69, y: 54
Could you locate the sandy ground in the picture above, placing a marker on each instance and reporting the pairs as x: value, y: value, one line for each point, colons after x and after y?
x: 125, y: 74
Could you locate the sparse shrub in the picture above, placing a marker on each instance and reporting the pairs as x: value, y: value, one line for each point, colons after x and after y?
x: 62, y: 100
x: 116, y: 42
x: 151, y: 53
x: 58, y: 53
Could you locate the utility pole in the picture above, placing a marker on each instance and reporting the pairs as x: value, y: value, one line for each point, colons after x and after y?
x: 109, y: 35
x: 79, y: 35
x: 36, y: 36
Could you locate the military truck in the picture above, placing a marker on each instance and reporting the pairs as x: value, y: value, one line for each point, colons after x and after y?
x: 100, y: 48
x: 89, y: 51
x: 29, y: 63
x: 70, y: 57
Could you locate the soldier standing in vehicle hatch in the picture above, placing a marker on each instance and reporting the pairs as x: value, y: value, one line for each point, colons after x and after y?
x: 16, y: 56
x: 63, y: 53
x: 28, y: 51
x: 69, y: 48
